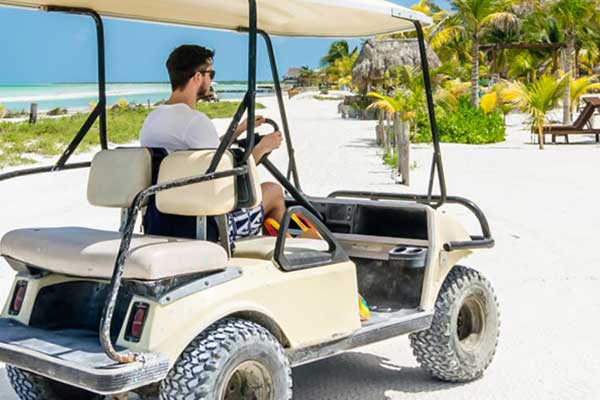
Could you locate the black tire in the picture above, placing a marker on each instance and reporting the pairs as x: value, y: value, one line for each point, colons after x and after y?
x: 462, y: 339
x: 29, y: 386
x: 213, y: 366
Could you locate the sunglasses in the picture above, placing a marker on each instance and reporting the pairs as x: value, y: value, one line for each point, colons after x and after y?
x: 212, y: 73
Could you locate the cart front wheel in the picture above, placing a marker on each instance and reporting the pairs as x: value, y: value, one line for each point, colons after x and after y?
x: 461, y: 341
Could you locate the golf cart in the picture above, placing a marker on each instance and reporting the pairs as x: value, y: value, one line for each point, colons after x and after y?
x: 94, y: 312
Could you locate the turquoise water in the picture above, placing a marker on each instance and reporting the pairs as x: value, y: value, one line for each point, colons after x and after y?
x: 76, y: 95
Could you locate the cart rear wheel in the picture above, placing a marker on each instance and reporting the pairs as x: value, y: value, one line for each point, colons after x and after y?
x: 234, y: 359
x: 29, y: 386
x: 462, y: 339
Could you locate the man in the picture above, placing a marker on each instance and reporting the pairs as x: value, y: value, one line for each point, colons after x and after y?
x: 177, y: 125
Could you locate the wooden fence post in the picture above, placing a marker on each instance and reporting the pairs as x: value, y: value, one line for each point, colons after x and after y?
x: 33, y: 113
x: 379, y: 129
x: 397, y: 136
x: 388, y: 126
x: 404, y: 153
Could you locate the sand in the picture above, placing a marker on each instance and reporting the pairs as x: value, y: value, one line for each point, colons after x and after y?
x: 543, y: 211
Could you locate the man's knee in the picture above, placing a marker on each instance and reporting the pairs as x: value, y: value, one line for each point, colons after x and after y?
x: 272, y: 191
x: 273, y: 200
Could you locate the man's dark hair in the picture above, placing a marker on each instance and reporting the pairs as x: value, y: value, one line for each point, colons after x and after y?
x: 184, y: 61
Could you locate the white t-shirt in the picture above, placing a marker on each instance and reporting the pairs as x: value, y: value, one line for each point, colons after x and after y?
x: 178, y: 127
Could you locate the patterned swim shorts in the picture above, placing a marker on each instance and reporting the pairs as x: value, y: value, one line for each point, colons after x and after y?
x: 245, y: 222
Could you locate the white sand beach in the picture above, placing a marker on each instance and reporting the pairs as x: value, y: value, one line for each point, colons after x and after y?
x: 541, y: 206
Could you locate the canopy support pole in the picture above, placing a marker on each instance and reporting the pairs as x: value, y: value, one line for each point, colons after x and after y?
x: 436, y: 164
x: 99, y: 111
x: 292, y: 167
x: 248, y: 103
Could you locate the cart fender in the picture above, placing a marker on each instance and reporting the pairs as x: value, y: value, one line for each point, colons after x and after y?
x: 444, y: 229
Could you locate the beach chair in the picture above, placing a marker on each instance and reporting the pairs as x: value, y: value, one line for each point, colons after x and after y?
x: 582, y: 125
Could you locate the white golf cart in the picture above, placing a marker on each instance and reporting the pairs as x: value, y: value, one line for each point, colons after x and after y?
x: 94, y: 313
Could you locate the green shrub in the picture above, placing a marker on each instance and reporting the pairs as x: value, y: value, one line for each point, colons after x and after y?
x: 2, y: 111
x: 467, y: 125
x: 57, y: 111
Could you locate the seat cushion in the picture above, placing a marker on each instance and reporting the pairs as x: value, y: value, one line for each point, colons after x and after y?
x: 263, y: 247
x: 92, y: 253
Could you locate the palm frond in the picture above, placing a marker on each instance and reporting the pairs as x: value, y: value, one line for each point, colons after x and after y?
x: 500, y: 20
x: 581, y: 86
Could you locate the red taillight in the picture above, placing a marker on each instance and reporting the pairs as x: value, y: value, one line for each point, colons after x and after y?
x: 137, y: 319
x: 18, y: 298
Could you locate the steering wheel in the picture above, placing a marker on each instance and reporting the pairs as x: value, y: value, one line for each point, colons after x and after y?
x: 258, y: 137
x: 295, y: 193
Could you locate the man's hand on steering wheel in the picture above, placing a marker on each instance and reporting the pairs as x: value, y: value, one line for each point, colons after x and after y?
x: 267, y: 144
x: 243, y: 126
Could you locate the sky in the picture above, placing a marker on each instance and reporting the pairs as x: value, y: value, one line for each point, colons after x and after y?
x: 38, y: 48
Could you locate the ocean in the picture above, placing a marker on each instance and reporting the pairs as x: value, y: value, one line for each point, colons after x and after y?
x: 80, y: 95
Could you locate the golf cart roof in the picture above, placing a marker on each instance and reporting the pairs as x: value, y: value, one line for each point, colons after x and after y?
x: 308, y: 18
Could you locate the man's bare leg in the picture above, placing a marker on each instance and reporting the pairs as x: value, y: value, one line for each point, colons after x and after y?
x: 273, y: 201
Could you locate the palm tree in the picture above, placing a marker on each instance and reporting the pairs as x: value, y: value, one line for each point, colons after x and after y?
x: 308, y: 75
x: 581, y: 86
x: 469, y: 22
x: 538, y: 99
x: 337, y: 49
x: 571, y: 16
x: 588, y: 59
x: 340, y: 71
x: 392, y: 104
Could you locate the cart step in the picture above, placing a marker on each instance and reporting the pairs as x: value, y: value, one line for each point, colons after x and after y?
x: 383, y: 326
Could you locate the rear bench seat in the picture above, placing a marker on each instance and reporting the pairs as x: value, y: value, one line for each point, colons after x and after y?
x: 91, y: 253
x: 116, y: 176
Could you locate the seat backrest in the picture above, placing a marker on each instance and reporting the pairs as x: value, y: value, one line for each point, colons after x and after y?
x: 211, y: 198
x: 118, y: 175
x: 584, y: 116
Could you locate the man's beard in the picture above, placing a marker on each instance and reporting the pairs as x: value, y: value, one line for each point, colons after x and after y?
x: 203, y: 93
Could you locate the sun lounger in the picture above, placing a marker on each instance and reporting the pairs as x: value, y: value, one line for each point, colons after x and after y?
x: 581, y: 126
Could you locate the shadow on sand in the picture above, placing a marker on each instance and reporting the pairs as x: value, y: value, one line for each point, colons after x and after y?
x: 361, y: 143
x: 349, y: 376
x: 360, y: 376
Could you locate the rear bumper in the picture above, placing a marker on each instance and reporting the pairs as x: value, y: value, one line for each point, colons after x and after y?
x: 76, y: 358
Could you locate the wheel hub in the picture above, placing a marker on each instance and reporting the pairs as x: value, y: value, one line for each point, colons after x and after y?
x: 249, y: 381
x: 470, y: 326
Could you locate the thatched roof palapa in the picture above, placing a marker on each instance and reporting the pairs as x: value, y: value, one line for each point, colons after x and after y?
x: 380, y: 55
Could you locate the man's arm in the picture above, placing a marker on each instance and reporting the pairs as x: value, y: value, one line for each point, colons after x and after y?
x: 267, y: 144
x: 243, y: 126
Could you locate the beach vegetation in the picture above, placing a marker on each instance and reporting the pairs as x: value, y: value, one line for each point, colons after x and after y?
x: 467, y: 125
x: 538, y: 99
x: 574, y: 18
x: 122, y: 104
x: 580, y: 86
x: 469, y: 22
x: 308, y: 76
x: 15, y: 114
x: 489, y: 102
x: 2, y: 111
x: 57, y: 111
x: 20, y: 141
x: 327, y: 97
